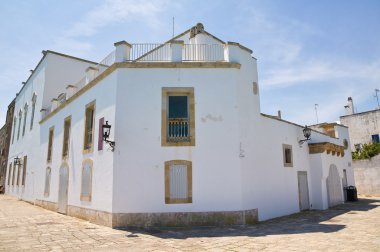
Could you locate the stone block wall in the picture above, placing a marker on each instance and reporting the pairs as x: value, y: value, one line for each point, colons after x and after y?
x: 367, y: 176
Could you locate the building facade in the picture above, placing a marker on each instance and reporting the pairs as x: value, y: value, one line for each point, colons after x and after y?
x: 5, y: 138
x: 364, y: 127
x: 189, y: 145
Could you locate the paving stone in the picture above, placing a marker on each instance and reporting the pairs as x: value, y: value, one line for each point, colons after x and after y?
x: 349, y: 227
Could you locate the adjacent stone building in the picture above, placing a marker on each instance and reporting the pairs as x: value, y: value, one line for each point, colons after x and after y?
x: 363, y: 127
x: 5, y: 138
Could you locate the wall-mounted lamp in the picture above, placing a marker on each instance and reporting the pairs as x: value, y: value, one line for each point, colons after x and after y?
x: 306, y: 133
x: 106, y: 135
x: 17, y: 161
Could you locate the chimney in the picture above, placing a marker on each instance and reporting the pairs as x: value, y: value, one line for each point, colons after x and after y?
x: 349, y: 107
x: 279, y: 114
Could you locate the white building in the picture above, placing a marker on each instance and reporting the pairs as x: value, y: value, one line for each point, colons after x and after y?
x: 192, y: 147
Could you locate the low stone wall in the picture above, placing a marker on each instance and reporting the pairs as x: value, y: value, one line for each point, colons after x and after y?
x: 367, y: 176
x: 180, y: 219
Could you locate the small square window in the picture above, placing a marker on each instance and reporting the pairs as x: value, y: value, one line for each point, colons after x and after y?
x: 375, y: 138
x: 288, y: 155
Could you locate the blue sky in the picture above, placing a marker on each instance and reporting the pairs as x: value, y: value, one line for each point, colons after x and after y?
x: 309, y: 52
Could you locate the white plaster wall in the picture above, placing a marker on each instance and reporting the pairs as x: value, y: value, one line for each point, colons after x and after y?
x: 48, y: 80
x: 28, y: 144
x: 139, y: 157
x: 102, y: 174
x: 62, y: 71
x: 269, y: 185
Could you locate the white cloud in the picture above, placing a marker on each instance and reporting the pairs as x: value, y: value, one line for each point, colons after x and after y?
x: 75, y: 38
x: 321, y: 70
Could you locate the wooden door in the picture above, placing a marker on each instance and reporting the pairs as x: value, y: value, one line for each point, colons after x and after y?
x: 303, y: 190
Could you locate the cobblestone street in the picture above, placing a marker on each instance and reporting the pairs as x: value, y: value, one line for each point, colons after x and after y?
x: 348, y: 227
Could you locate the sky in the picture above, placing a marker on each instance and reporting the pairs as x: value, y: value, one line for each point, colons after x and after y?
x: 308, y: 52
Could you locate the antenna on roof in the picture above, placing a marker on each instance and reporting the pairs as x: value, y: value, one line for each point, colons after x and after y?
x: 316, y: 111
x: 377, y: 97
x: 173, y: 28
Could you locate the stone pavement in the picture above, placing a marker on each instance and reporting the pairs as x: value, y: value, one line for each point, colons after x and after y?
x: 348, y: 227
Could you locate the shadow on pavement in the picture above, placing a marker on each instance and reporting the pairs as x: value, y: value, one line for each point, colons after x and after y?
x: 303, y: 222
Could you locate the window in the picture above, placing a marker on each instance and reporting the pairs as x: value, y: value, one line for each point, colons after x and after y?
x: 9, y: 173
x: 13, y: 174
x: 25, y: 116
x: 19, y: 125
x: 86, y: 180
x: 89, y: 128
x: 178, y: 121
x: 288, y: 155
x: 178, y: 182
x: 18, y: 174
x: 34, y: 99
x: 50, y: 144
x: 375, y: 138
x: 66, y: 138
x: 24, y: 170
x: 47, y: 182
x: 14, y: 129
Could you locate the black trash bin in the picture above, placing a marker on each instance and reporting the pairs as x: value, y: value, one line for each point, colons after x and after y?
x: 352, y: 193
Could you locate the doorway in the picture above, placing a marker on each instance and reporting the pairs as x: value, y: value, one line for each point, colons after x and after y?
x: 303, y: 190
x: 334, y: 188
x: 63, y: 189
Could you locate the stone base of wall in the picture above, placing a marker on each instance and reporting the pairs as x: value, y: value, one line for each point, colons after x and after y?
x: 94, y: 216
x: 52, y: 206
x: 146, y: 220
x: 181, y: 219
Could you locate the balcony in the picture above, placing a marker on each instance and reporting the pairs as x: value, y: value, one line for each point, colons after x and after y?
x: 178, y: 130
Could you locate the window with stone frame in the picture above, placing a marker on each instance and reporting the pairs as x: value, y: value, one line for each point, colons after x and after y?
x: 66, y: 137
x: 178, y: 119
x: 34, y: 100
x: 25, y: 116
x: 88, y: 141
x: 178, y: 182
x: 13, y: 174
x: 9, y: 173
x: 24, y: 164
x: 86, y: 181
x: 18, y: 174
x: 19, y: 124
x: 14, y: 129
x: 50, y: 144
x: 287, y: 155
x: 47, y: 182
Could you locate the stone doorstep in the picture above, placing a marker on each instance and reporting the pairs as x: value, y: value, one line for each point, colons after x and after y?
x: 146, y: 220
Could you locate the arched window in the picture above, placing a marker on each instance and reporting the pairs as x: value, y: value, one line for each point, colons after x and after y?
x: 19, y: 124
x: 86, y: 180
x: 47, y: 182
x: 14, y: 129
x: 9, y: 173
x: 34, y: 99
x: 13, y: 174
x: 25, y: 116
